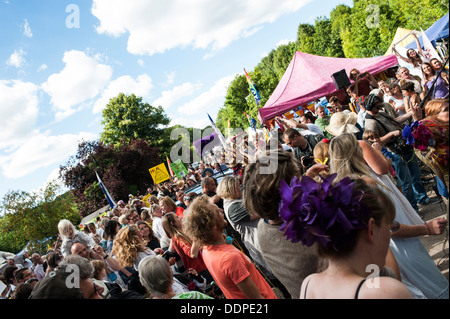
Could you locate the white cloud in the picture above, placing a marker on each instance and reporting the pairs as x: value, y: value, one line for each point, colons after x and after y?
x: 43, y: 67
x: 156, y: 26
x: 39, y: 151
x: 18, y: 111
x: 82, y: 78
x: 170, y: 77
x: 213, y: 98
x: 17, y: 59
x: 140, y: 62
x: 127, y: 85
x: 27, y: 30
x: 168, y: 98
x: 200, y: 123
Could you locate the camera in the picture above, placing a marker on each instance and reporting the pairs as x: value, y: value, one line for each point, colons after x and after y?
x: 308, y: 161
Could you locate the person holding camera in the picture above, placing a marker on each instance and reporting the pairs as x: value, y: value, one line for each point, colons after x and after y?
x: 404, y: 159
x: 302, y: 146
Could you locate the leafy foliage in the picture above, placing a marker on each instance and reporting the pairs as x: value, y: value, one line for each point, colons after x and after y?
x: 127, y: 117
x: 123, y: 169
x: 31, y: 218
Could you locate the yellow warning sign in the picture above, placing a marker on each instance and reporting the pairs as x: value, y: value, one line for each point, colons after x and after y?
x: 159, y: 173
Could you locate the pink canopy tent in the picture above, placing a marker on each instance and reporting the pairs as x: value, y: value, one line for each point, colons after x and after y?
x: 308, y: 78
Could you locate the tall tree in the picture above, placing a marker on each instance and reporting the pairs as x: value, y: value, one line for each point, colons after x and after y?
x: 127, y: 117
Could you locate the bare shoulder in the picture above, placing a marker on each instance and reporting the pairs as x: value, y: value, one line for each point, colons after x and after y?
x: 384, y: 288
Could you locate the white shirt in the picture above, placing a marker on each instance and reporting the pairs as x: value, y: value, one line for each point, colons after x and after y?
x: 313, y: 129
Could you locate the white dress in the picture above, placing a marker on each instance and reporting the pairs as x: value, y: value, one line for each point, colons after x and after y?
x: 419, y: 272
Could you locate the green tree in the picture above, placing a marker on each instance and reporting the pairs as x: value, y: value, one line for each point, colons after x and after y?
x: 305, y: 38
x: 31, y: 218
x: 127, y: 117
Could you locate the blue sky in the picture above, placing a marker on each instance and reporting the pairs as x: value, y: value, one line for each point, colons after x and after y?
x: 61, y: 61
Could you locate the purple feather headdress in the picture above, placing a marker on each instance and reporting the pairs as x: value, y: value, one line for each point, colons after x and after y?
x: 321, y: 212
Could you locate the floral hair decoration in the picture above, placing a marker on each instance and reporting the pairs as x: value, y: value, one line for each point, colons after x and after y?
x: 322, y: 212
x: 418, y: 135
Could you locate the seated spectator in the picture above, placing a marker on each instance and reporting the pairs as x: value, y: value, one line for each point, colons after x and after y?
x: 156, y: 276
x: 236, y: 276
x: 148, y: 235
x: 55, y: 285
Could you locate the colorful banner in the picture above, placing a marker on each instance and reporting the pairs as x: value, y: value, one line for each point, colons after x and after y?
x: 159, y: 173
x: 108, y: 197
x: 179, y: 169
x: 253, y: 88
x: 218, y: 132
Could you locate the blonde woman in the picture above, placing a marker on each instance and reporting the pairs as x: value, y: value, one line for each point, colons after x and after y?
x: 349, y: 158
x: 129, y: 248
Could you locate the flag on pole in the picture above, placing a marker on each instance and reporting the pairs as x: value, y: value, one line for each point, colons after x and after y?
x: 218, y: 132
x: 170, y: 168
x: 108, y: 197
x: 253, y: 88
x: 251, y: 121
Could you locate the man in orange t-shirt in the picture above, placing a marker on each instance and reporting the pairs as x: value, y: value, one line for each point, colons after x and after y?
x: 232, y: 270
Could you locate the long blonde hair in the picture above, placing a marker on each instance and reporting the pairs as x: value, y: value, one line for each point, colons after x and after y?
x: 127, y: 245
x: 346, y: 157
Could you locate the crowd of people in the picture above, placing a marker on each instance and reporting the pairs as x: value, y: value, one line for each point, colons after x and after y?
x: 347, y: 193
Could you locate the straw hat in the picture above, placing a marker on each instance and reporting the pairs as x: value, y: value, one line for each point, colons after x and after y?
x: 343, y: 122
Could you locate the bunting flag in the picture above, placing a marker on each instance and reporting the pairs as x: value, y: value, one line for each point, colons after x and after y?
x: 218, y: 132
x: 253, y: 88
x: 108, y: 197
x: 170, y: 168
x: 311, y: 107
